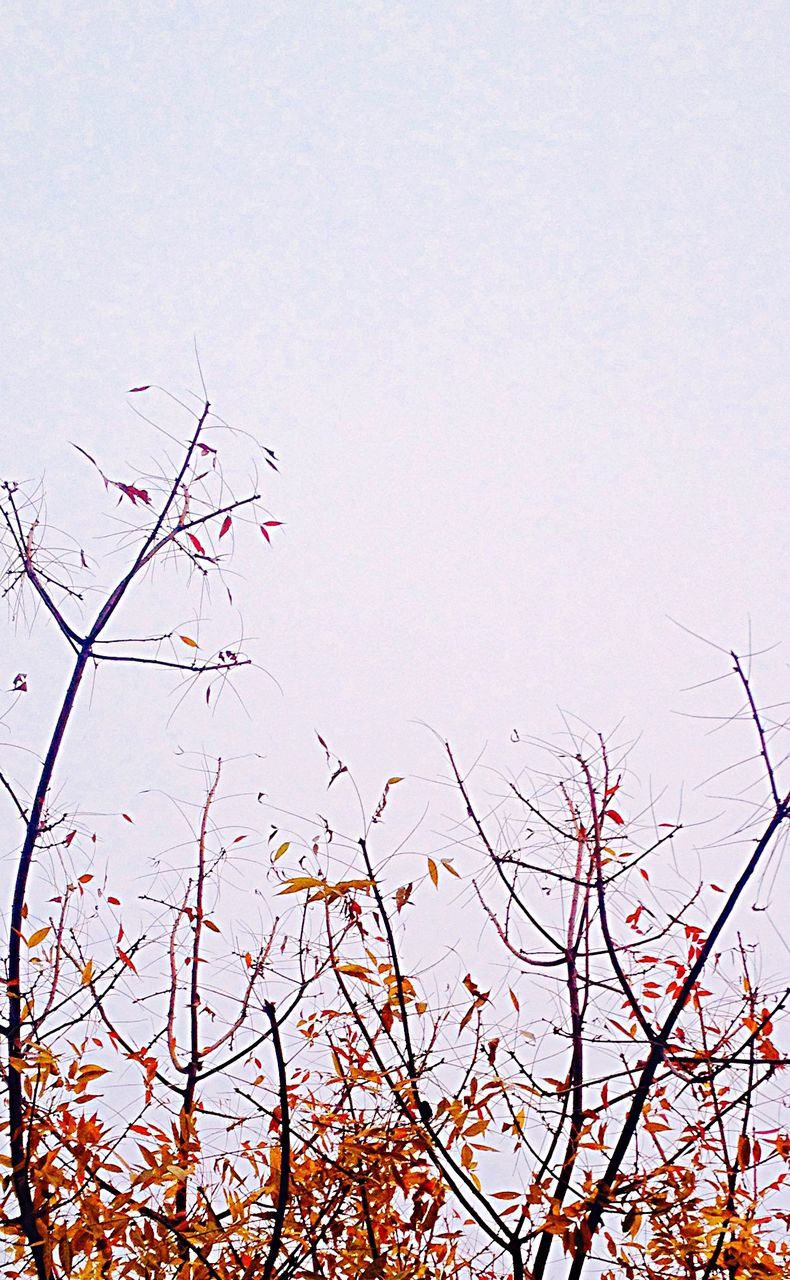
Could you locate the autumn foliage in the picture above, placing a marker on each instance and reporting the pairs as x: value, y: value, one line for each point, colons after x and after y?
x: 584, y: 1078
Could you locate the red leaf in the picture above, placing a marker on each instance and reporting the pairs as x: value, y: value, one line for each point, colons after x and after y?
x: 126, y: 816
x: 132, y: 390
x: 116, y: 902
x: 267, y: 525
x: 127, y: 960
x: 134, y: 493
x: 226, y: 523
x: 196, y: 544
x: 69, y: 838
x: 615, y: 816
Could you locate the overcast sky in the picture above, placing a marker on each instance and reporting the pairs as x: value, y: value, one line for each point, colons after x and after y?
x: 506, y: 287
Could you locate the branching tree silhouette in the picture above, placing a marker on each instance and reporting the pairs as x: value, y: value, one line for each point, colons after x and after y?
x: 336, y: 1094
x: 177, y: 515
x: 651, y: 1118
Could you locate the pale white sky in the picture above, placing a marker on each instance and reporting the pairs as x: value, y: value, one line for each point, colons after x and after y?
x: 505, y: 285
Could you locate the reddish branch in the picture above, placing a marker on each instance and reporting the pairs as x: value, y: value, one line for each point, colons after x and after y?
x: 658, y: 1049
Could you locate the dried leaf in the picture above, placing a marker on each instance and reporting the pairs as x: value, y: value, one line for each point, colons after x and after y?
x: 91, y: 1071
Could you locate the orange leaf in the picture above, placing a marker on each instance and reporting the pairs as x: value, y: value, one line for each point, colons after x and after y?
x: 127, y: 960
x: 433, y: 872
x: 90, y: 1072
x: 38, y: 936
x: 193, y: 644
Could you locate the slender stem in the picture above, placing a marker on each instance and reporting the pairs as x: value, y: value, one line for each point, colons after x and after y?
x: 186, y: 1131
x: 285, y: 1146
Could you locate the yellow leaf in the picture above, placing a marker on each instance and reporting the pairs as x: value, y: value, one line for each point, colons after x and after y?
x: 87, y: 973
x: 391, y: 781
x: 302, y: 882
x: 282, y: 849
x: 38, y: 936
x: 193, y: 644
x: 479, y: 1126
x: 90, y: 1072
x: 433, y: 871
x: 355, y: 971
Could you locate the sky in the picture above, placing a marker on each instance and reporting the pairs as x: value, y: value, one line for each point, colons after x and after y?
x: 506, y: 288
